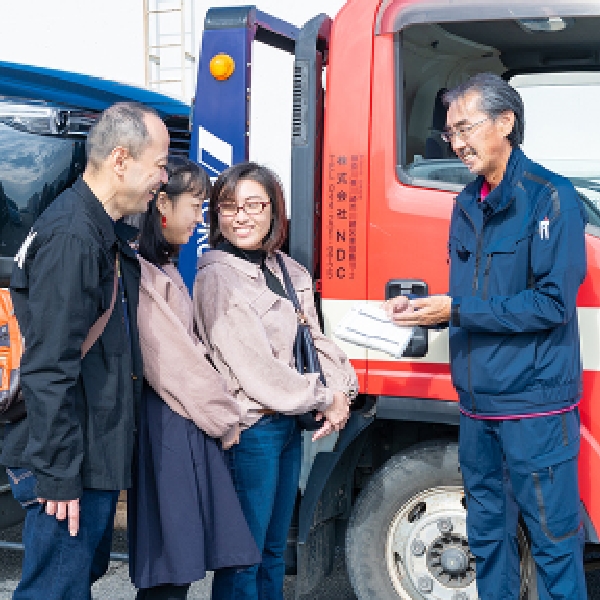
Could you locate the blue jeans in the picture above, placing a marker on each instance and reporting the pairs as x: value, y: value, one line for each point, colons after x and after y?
x: 527, y: 466
x: 265, y: 467
x: 57, y: 566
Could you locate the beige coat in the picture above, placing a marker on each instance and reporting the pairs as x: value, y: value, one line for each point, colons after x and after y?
x: 250, y: 332
x: 175, y: 362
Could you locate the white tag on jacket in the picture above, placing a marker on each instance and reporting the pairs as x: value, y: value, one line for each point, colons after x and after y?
x: 545, y: 229
x: 22, y: 253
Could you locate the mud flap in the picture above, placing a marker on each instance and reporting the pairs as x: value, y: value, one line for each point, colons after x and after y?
x: 328, y: 498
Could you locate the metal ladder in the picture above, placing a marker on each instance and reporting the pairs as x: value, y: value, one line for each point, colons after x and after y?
x: 170, y: 47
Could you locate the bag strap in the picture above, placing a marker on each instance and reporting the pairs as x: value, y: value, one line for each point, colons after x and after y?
x: 304, y: 335
x: 289, y: 288
x: 98, y: 327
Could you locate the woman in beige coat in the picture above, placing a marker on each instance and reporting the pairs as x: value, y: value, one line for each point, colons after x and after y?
x: 249, y: 325
x: 184, y: 515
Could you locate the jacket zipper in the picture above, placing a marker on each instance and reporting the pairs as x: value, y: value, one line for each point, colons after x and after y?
x: 473, y: 403
x: 486, y: 274
x: 478, y: 238
x: 477, y: 260
x: 477, y: 252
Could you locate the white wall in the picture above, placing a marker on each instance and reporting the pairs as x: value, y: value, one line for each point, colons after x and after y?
x: 104, y: 38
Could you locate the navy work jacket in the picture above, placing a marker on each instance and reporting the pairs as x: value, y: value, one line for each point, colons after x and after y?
x: 516, y: 263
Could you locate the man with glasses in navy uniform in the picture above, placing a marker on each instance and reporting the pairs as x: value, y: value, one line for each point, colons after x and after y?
x: 517, y: 259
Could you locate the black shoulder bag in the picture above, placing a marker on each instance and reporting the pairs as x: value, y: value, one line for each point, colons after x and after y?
x: 305, y: 353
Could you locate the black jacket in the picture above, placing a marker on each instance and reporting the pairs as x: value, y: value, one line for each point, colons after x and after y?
x: 79, y: 431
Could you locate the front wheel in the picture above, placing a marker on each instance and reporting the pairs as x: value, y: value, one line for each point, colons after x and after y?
x: 407, y: 536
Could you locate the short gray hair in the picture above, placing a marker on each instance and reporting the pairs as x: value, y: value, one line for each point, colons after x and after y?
x: 496, y: 96
x: 121, y: 124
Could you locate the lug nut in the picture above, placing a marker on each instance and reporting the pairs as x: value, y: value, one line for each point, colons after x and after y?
x: 445, y: 525
x: 425, y: 585
x: 418, y: 547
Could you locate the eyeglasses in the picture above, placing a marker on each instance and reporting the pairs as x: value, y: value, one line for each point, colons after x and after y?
x: 463, y: 132
x: 250, y: 207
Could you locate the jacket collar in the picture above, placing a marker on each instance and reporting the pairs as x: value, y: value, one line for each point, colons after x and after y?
x: 159, y: 277
x: 125, y: 234
x: 248, y: 268
x: 225, y: 258
x: 500, y: 197
x: 93, y: 207
x: 109, y: 230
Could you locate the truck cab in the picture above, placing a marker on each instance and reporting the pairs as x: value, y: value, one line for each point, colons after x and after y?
x: 373, y: 187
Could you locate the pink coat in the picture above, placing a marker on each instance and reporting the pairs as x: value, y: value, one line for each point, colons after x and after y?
x: 175, y: 362
x: 250, y: 332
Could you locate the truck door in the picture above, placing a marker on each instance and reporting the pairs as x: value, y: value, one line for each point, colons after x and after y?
x: 411, y: 511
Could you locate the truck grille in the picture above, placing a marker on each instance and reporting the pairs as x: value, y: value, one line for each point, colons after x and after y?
x: 179, y: 133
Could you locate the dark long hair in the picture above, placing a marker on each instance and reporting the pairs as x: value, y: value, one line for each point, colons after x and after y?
x: 224, y: 190
x: 185, y: 176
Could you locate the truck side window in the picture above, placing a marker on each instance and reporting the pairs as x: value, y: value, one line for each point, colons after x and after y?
x: 434, y: 57
x: 431, y: 61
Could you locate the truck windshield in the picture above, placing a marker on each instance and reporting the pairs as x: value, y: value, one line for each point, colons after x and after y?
x: 562, y: 121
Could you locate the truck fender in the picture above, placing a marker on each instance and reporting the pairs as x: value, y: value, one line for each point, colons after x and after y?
x: 323, y: 467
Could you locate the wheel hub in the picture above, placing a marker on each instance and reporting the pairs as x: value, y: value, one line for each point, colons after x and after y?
x: 450, y: 561
x: 428, y: 544
x: 454, y: 561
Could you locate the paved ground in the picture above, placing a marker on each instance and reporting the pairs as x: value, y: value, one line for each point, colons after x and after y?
x: 116, y: 585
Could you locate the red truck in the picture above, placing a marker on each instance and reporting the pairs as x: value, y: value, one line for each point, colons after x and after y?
x: 372, y: 189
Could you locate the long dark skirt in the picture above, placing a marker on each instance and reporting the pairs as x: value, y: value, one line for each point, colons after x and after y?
x: 184, y: 517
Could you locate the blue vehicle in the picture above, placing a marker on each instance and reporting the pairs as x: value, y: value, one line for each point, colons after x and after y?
x: 45, y: 115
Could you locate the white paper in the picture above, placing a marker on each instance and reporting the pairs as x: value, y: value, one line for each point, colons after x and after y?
x: 368, y: 325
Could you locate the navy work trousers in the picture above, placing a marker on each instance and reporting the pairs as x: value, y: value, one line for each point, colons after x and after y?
x: 265, y: 468
x: 527, y: 466
x: 57, y: 566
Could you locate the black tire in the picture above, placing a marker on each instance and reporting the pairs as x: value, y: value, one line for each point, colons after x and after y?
x: 411, y: 512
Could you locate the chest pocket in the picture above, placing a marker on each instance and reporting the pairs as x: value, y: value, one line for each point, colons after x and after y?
x: 461, y: 252
x: 264, y: 302
x: 278, y: 319
x: 507, y: 268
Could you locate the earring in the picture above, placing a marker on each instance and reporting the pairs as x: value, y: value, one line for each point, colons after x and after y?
x: 163, y: 221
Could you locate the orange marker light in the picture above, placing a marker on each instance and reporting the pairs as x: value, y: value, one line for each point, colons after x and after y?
x: 222, y: 66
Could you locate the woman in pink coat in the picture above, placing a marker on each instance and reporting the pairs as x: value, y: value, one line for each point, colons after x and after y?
x: 249, y: 323
x: 184, y: 514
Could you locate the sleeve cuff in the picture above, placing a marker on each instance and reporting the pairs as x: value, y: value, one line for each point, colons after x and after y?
x: 231, y: 437
x: 455, y: 312
x: 50, y: 488
x: 326, y: 401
